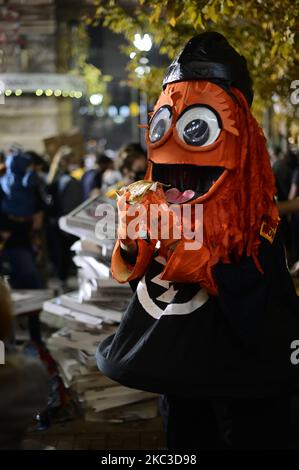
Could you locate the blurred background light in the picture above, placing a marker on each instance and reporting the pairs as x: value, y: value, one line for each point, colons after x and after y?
x: 124, y: 111
x: 143, y: 43
x: 100, y: 112
x: 112, y: 111
x: 96, y: 99
x: 118, y: 119
x: 134, y: 108
x: 139, y: 70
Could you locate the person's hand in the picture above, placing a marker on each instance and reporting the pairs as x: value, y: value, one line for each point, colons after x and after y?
x: 127, y: 243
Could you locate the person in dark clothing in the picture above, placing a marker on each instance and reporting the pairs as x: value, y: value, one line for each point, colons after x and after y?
x: 21, y: 216
x: 210, y: 325
x: 293, y: 194
x: 65, y: 194
x: 18, y: 185
x: 238, y: 424
x: 92, y: 178
x: 283, y: 170
x: 40, y: 166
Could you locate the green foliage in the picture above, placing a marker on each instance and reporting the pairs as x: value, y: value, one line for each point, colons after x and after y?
x: 264, y: 31
x: 95, y: 81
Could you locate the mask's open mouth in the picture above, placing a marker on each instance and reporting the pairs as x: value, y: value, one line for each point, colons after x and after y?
x: 186, y: 182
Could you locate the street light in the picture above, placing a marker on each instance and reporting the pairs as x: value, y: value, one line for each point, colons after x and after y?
x: 143, y: 43
x: 96, y: 99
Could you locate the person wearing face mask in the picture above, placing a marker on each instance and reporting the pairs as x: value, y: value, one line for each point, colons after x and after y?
x: 92, y: 180
x: 132, y: 162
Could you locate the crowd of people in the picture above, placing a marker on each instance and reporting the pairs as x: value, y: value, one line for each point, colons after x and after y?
x: 35, y: 194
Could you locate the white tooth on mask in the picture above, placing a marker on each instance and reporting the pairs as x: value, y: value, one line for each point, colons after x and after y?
x: 154, y: 187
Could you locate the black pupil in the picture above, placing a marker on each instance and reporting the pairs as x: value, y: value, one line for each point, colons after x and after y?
x: 196, y: 132
x: 158, y: 130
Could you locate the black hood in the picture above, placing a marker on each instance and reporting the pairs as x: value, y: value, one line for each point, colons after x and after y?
x: 209, y: 56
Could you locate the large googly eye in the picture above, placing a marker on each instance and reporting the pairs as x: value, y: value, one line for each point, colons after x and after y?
x: 198, y: 126
x: 160, y: 124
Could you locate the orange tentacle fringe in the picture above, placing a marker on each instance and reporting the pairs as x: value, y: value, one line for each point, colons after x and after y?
x: 233, y: 217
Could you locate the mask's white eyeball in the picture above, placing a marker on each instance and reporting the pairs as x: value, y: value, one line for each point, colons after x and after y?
x: 198, y: 126
x: 160, y: 124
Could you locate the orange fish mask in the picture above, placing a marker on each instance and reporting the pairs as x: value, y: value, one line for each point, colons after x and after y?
x: 194, y: 124
x: 204, y: 143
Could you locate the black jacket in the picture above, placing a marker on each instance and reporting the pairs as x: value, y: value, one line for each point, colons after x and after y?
x: 175, y: 339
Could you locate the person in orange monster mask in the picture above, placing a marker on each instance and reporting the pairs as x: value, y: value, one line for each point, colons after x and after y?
x: 212, y: 322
